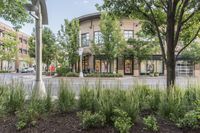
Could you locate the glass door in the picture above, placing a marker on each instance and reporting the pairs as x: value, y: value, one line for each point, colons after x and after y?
x: 128, y: 67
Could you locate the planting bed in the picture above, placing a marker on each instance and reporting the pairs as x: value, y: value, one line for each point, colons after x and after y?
x: 70, y: 123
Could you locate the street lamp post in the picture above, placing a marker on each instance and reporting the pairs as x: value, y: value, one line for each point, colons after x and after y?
x: 81, y: 56
x: 39, y: 7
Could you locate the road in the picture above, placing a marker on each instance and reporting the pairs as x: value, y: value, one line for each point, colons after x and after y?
x: 77, y: 83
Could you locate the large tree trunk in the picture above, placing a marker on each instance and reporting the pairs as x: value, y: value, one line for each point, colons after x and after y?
x: 170, y: 62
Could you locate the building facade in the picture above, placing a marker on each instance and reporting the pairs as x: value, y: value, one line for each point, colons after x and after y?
x: 21, y: 60
x: 90, y: 32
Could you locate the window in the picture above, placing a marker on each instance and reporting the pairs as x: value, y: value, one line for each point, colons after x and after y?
x: 98, y: 39
x: 85, y: 40
x: 1, y: 34
x: 25, y: 41
x: 184, y: 68
x: 151, y: 66
x: 128, y: 34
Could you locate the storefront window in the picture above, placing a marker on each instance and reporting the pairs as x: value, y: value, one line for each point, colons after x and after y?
x: 128, y: 66
x: 184, y: 68
x: 97, y: 65
x: 151, y: 66
x: 85, y: 63
x: 102, y: 65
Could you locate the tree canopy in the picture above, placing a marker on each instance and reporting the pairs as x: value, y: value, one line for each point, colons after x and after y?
x: 8, y: 46
x: 68, y: 37
x: 174, y: 22
x: 14, y: 11
x: 49, y: 50
x: 113, y: 40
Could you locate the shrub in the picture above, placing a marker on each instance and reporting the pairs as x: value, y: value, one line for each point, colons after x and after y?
x: 62, y: 71
x: 143, y: 92
x: 89, y: 120
x: 172, y: 105
x: 66, y: 98
x: 121, y: 121
x: 104, y: 75
x: 189, y: 120
x: 150, y: 123
x: 87, y: 100
x: 192, y: 118
x: 48, y: 101
x: 72, y: 74
x: 14, y: 98
x: 31, y: 114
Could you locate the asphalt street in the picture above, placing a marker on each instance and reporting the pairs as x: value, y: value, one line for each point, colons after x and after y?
x: 77, y: 83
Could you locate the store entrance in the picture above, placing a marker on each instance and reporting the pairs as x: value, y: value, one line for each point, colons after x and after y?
x: 128, y: 67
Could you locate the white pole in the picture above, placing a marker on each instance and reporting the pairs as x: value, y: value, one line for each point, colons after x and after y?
x: 39, y: 87
x: 81, y: 56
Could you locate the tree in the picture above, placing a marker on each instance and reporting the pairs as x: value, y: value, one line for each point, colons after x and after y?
x: 113, y: 40
x: 68, y: 38
x: 172, y: 21
x: 192, y: 52
x: 141, y: 47
x: 8, y: 47
x: 14, y: 11
x: 49, y: 49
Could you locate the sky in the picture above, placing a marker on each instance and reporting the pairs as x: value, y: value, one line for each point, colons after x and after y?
x: 58, y: 10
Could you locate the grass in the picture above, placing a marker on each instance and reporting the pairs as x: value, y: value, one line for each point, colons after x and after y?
x: 175, y: 105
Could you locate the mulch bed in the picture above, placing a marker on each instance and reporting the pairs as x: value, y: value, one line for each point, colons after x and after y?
x: 70, y: 123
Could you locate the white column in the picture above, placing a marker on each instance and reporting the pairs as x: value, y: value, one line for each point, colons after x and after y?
x: 114, y: 65
x: 39, y: 87
x: 81, y: 56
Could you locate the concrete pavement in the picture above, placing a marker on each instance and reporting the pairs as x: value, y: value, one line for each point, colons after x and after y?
x: 77, y: 83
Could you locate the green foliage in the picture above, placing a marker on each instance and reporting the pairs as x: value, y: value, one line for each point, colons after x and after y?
x: 33, y: 110
x: 103, y: 75
x: 113, y: 41
x: 189, y: 120
x: 14, y: 11
x: 116, y: 98
x: 69, y: 41
x: 172, y: 105
x: 9, y: 49
x: 14, y: 98
x: 89, y: 120
x: 49, y: 49
x: 62, y: 71
x: 192, y: 52
x: 150, y: 123
x: 2, y: 71
x: 142, y: 47
x: 122, y: 121
x: 87, y: 99
x: 66, y: 98
x: 72, y: 74
x: 192, y: 118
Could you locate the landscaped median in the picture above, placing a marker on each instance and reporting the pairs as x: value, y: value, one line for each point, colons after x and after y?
x: 139, y: 109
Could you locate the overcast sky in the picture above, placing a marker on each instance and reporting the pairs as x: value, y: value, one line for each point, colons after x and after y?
x: 58, y: 10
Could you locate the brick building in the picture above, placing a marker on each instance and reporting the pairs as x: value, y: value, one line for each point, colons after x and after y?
x: 90, y: 31
x: 22, y: 58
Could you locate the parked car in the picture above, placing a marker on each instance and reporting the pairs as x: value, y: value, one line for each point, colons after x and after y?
x: 28, y: 70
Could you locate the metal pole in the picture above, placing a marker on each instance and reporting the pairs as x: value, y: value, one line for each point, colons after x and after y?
x: 39, y: 84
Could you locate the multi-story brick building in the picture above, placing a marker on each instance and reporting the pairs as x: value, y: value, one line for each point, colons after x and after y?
x: 22, y: 57
x: 90, y: 31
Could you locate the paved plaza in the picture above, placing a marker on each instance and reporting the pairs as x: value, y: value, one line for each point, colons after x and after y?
x: 77, y: 83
